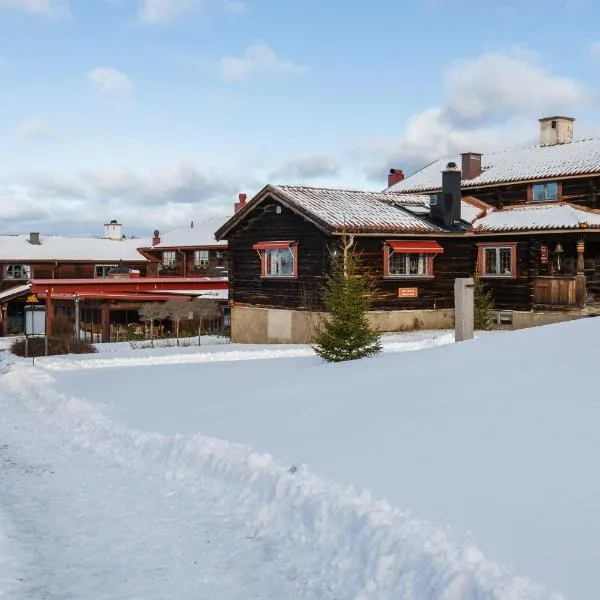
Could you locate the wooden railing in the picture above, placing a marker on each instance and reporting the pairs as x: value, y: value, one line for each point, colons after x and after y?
x: 559, y: 292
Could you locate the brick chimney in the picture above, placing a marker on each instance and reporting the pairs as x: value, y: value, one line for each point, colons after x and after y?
x: 241, y: 202
x: 471, y: 165
x: 395, y: 176
x: 156, y: 238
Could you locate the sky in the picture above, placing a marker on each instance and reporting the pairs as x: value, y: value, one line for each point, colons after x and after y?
x: 157, y: 112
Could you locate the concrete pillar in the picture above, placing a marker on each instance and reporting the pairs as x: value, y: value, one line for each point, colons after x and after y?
x: 464, y: 309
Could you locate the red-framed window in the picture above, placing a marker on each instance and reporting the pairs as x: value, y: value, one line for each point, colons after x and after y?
x: 278, y: 260
x: 544, y: 191
x: 497, y: 260
x: 410, y: 259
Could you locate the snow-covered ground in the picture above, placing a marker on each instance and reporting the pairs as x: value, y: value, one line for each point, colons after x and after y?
x: 179, y: 473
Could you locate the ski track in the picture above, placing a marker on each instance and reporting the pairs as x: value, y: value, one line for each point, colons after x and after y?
x: 96, y: 511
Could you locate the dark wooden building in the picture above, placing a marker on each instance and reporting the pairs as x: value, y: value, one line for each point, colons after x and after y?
x: 541, y: 261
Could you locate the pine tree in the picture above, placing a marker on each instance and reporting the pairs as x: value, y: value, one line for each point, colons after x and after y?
x: 483, y: 305
x: 346, y: 334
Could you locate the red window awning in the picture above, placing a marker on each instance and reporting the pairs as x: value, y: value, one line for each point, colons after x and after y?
x: 415, y: 247
x: 272, y: 245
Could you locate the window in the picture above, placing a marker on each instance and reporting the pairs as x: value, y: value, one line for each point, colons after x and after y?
x: 201, y: 258
x: 169, y: 258
x: 278, y: 259
x: 17, y: 272
x: 410, y: 258
x: 497, y: 261
x: 104, y: 270
x: 543, y: 192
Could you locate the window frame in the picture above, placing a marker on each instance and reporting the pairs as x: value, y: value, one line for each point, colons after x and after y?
x: 201, y: 262
x: 531, y: 191
x: 106, y: 268
x: 26, y: 268
x: 265, y: 248
x: 481, y: 251
x: 169, y: 263
x: 426, y: 257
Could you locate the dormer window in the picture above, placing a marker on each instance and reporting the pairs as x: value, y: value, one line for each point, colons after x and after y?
x: 546, y: 192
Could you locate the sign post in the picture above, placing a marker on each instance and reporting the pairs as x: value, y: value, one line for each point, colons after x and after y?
x: 35, y: 322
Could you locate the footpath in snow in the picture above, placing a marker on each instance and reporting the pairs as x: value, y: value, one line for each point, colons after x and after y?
x: 90, y: 509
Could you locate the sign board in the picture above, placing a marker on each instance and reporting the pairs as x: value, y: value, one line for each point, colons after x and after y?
x: 35, y: 320
x: 409, y: 292
x: 544, y: 254
x: 32, y: 298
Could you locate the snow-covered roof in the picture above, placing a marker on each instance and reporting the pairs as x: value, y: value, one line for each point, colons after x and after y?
x: 520, y: 164
x: 534, y: 217
x: 336, y: 209
x: 52, y: 247
x: 198, y: 234
x: 15, y: 291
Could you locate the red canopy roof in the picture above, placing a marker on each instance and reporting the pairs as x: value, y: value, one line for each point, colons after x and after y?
x: 272, y: 245
x: 415, y: 247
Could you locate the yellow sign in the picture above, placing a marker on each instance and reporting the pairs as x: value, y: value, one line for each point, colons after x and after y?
x: 32, y: 298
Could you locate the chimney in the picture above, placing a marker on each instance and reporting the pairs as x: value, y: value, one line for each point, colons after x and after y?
x: 445, y: 206
x: 395, y: 176
x: 113, y: 230
x: 156, y: 238
x: 241, y: 202
x: 556, y: 130
x: 471, y: 165
x: 34, y: 238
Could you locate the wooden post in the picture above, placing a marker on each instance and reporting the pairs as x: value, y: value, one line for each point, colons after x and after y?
x: 77, y: 317
x: 105, y: 322
x: 4, y: 319
x: 580, y: 283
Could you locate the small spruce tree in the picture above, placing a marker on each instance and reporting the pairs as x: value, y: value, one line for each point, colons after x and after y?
x: 483, y: 305
x: 346, y: 334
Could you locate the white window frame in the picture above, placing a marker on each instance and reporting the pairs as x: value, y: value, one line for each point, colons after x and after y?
x: 497, y: 251
x: 17, y: 271
x: 423, y: 264
x: 201, y: 258
x: 169, y: 258
x: 104, y: 270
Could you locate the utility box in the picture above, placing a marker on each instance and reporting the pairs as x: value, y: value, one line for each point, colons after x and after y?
x: 464, y: 309
x: 35, y: 320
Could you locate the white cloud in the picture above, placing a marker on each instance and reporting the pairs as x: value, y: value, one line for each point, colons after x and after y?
x: 307, y: 167
x: 45, y: 8
x: 235, y: 7
x: 491, y: 102
x: 257, y: 59
x: 111, y: 82
x: 33, y: 128
x: 161, y: 12
x: 163, y: 198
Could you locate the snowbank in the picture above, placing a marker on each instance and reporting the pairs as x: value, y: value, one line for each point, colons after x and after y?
x: 329, y: 540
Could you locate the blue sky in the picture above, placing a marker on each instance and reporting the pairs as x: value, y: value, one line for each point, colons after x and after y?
x: 155, y: 112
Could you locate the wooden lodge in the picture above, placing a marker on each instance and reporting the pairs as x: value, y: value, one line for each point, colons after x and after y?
x: 523, y: 221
